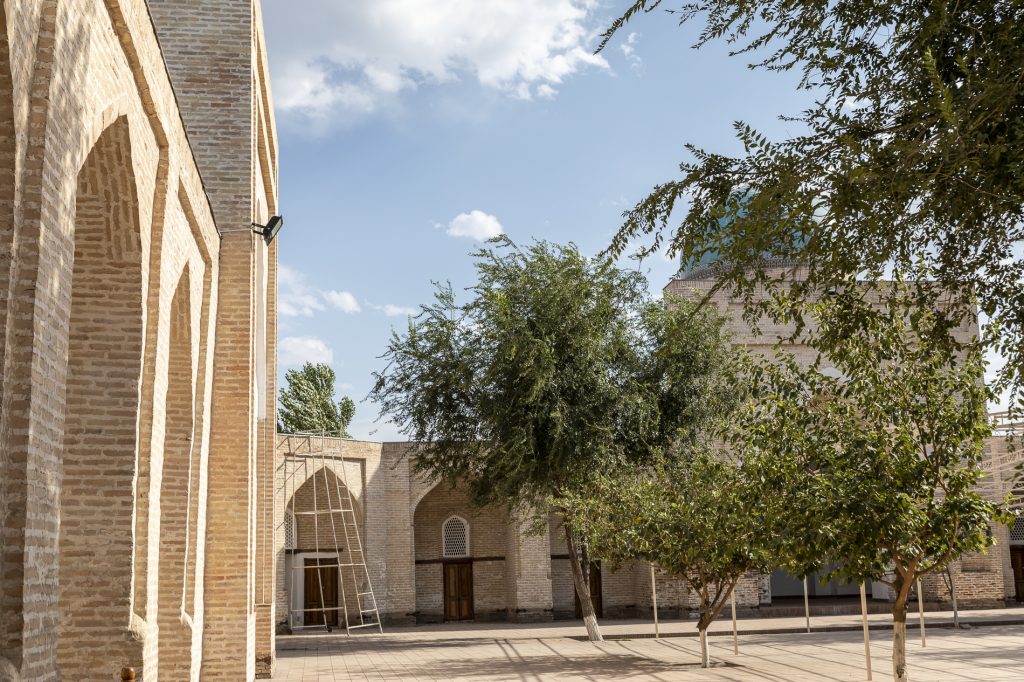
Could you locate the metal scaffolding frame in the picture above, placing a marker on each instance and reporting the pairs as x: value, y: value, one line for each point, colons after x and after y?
x: 305, y: 460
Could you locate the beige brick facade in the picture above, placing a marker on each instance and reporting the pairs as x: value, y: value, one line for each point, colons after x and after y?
x: 982, y: 579
x: 137, y: 312
x: 517, y: 575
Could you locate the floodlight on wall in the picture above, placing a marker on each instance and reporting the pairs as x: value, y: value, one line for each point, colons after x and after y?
x: 270, y: 230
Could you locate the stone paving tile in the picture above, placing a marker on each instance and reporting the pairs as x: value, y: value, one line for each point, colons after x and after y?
x: 507, y: 652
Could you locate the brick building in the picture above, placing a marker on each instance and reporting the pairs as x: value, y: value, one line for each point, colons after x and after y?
x: 431, y: 556
x: 981, y: 579
x: 137, y: 337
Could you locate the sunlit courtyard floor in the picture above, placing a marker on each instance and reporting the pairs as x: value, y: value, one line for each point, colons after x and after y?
x: 557, y: 652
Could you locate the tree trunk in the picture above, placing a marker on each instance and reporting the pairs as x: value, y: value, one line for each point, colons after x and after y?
x: 952, y: 594
x: 705, y: 655
x: 703, y: 623
x: 585, y: 563
x: 899, y: 638
x: 582, y: 588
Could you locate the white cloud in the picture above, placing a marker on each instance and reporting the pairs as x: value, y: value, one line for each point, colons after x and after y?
x: 628, y: 49
x: 295, y: 350
x: 475, y: 225
x: 343, y: 300
x: 295, y: 297
x: 336, y: 62
x: 392, y: 310
x: 546, y: 91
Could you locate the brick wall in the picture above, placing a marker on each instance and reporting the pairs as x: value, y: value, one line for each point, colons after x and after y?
x: 102, y: 404
x: 487, y: 528
x: 984, y: 582
x: 215, y: 55
x: 527, y: 570
x: 174, y: 659
x: 107, y: 357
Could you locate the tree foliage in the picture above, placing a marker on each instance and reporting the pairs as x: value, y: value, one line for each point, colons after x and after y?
x: 699, y: 518
x: 909, y: 162
x: 557, y: 369
x: 873, y: 466
x: 306, y: 403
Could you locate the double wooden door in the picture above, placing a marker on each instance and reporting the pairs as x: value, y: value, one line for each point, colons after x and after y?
x: 320, y: 592
x: 458, y: 590
x: 1017, y: 562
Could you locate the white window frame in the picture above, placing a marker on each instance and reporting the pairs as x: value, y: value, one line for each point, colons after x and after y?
x: 297, y: 588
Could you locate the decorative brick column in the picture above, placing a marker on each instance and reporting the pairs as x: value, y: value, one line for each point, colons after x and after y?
x: 229, y: 639
x: 389, y: 534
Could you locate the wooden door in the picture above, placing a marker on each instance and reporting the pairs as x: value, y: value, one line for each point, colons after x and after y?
x: 595, y: 592
x: 321, y: 574
x: 1017, y: 562
x: 458, y: 590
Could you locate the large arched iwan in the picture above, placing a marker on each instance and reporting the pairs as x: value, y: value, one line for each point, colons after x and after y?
x: 318, y: 534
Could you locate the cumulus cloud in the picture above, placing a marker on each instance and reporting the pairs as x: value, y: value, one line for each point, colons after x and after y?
x: 546, y: 91
x: 340, y: 61
x: 342, y: 300
x: 296, y: 350
x: 295, y: 297
x: 475, y: 225
x: 392, y: 310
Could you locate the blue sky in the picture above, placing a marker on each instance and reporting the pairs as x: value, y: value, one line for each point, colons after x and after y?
x: 407, y: 127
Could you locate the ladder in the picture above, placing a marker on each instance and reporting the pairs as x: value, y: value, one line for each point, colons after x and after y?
x: 332, y: 498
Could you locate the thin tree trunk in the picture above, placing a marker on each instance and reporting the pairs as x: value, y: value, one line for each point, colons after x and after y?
x: 706, y: 617
x: 899, y: 637
x: 952, y: 593
x: 705, y: 655
x: 585, y: 564
x: 582, y: 588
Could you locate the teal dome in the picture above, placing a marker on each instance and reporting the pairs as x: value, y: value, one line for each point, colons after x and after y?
x: 705, y: 266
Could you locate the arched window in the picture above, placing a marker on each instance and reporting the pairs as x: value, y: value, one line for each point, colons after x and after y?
x: 455, y: 538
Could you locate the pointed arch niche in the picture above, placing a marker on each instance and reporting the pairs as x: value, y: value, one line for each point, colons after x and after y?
x: 101, y: 423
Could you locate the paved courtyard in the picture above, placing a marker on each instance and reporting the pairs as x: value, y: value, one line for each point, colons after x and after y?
x: 556, y: 652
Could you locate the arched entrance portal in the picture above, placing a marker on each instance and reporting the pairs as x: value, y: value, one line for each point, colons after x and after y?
x: 460, y: 558
x: 324, y: 574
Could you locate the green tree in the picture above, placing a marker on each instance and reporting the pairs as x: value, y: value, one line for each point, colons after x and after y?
x: 875, y: 469
x: 699, y: 518
x: 910, y: 160
x: 306, y: 403
x: 560, y: 367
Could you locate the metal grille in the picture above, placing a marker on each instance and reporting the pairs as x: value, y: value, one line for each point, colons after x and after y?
x: 1017, y: 532
x: 289, y: 530
x: 455, y: 537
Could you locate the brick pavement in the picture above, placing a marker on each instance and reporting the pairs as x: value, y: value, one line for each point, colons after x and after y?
x: 551, y: 651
